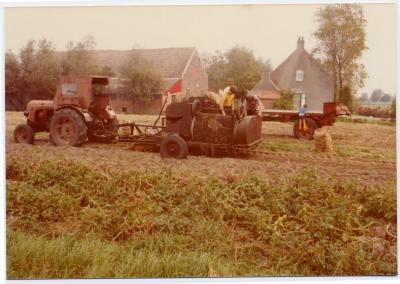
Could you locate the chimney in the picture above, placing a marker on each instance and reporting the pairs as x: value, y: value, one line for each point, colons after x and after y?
x: 300, y: 43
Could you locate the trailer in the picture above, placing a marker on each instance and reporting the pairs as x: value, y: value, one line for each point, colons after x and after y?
x: 313, y: 120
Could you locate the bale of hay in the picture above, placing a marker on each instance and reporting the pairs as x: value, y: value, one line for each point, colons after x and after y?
x: 323, y: 140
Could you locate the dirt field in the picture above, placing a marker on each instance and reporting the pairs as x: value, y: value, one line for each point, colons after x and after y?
x: 364, y: 152
x: 204, y: 216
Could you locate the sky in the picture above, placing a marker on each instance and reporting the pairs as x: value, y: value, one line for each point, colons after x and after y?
x: 269, y: 30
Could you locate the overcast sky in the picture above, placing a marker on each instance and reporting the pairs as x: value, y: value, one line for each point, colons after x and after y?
x: 271, y: 31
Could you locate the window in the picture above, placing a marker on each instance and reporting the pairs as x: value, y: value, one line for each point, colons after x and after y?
x: 69, y: 89
x: 299, y: 75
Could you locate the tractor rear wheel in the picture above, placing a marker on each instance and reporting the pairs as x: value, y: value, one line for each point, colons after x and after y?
x: 67, y: 128
x: 308, y: 133
x: 23, y: 133
x: 173, y: 147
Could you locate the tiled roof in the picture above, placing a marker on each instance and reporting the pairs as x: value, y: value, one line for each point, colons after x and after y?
x: 266, y: 88
x: 170, y: 62
x: 284, y: 74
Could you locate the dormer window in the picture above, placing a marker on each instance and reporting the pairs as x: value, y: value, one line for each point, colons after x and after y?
x: 299, y: 75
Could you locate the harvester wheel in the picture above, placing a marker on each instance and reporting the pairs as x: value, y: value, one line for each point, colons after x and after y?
x: 23, y: 133
x: 67, y: 128
x: 305, y: 133
x: 173, y: 146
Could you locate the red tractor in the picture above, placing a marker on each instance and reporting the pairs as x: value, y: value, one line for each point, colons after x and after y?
x: 78, y: 111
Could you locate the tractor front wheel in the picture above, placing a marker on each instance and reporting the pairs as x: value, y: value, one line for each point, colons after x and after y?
x: 67, y: 128
x: 173, y: 147
x: 23, y: 133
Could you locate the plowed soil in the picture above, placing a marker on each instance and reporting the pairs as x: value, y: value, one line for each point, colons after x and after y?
x: 362, y: 152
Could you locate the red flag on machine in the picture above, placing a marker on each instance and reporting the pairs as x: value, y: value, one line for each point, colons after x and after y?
x: 175, y: 88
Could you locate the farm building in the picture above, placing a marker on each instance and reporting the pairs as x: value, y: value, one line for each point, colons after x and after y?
x: 303, y: 75
x: 266, y: 90
x: 181, y: 69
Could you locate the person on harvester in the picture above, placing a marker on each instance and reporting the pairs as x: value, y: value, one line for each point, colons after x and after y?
x: 227, y: 98
x: 302, y: 118
x: 252, y: 105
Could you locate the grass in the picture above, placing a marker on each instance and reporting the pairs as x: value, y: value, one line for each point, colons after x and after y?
x: 378, y: 121
x: 66, y: 219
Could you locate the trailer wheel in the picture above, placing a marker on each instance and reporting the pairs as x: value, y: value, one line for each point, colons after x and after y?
x: 306, y: 134
x: 173, y: 147
x: 23, y: 133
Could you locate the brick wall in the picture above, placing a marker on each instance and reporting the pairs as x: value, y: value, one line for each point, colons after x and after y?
x: 150, y: 105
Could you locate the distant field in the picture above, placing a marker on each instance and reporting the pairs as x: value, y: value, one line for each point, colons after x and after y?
x: 106, y: 211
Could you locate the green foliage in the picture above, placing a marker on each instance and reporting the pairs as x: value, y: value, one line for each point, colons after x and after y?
x: 346, y: 97
x: 386, y: 98
x: 381, y: 112
x: 365, y: 120
x: 237, y: 66
x: 40, y: 70
x: 106, y: 71
x: 13, y: 82
x: 72, y: 257
x: 376, y: 95
x: 141, y: 78
x: 66, y: 219
x: 35, y: 71
x: 364, y: 97
x: 393, y: 108
x: 285, y: 101
x: 341, y: 42
x: 77, y: 59
x: 32, y: 74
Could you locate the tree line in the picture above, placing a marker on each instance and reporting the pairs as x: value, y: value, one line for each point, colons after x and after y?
x: 34, y: 71
x: 377, y: 96
x: 340, y: 34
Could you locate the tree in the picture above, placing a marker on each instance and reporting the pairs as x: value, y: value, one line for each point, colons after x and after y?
x: 105, y: 71
x: 341, y: 42
x: 346, y: 98
x: 364, y: 97
x: 393, y: 108
x: 40, y: 70
x: 285, y: 101
x: 266, y: 65
x: 141, y: 78
x: 77, y: 59
x: 237, y: 66
x: 12, y: 82
x: 376, y: 95
x: 386, y: 98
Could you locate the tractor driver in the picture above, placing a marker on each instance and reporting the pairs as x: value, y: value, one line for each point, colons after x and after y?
x: 227, y: 99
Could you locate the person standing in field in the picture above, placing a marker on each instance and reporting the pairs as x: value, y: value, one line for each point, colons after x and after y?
x: 302, y: 117
x: 227, y: 98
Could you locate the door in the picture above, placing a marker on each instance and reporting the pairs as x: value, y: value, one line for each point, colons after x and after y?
x: 299, y: 100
